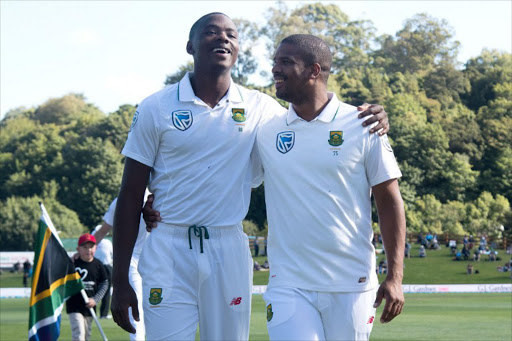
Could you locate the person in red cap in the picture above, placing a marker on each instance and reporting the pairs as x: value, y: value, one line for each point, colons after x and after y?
x: 95, y: 281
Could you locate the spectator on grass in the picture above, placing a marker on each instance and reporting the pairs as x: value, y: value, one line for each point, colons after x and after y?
x: 265, y: 265
x: 458, y: 255
x: 257, y: 266
x: 483, y: 244
x: 26, y: 272
x: 476, y: 255
x: 407, y: 249
x: 434, y: 244
x: 256, y: 247
x: 492, y: 255
x: 383, y: 267
x: 465, y: 252
x: 469, y: 269
x: 423, y: 252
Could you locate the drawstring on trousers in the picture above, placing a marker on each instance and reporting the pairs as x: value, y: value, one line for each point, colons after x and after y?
x: 198, y: 232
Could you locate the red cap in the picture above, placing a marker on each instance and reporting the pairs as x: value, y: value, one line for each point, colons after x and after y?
x: 87, y: 237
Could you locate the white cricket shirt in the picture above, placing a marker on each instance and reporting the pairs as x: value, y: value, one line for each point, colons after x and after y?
x: 200, y: 156
x: 141, y: 236
x: 318, y: 177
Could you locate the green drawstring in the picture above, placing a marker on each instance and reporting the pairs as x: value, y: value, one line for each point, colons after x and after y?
x: 198, y: 233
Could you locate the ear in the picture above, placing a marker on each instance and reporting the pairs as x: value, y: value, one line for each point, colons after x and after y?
x: 316, y: 70
x: 190, y: 48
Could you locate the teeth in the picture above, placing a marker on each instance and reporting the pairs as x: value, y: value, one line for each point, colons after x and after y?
x: 277, y: 81
x: 220, y: 50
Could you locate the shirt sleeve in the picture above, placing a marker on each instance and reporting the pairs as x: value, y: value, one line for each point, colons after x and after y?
x: 380, y: 161
x: 143, y: 139
x: 109, y: 215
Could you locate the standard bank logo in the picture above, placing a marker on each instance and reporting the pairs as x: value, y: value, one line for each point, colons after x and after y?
x: 285, y: 141
x: 182, y: 119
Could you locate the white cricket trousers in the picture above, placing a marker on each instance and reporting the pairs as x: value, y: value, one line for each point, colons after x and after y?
x: 136, y: 283
x: 182, y: 287
x: 297, y: 314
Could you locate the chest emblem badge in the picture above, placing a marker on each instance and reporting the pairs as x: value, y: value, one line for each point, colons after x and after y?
x: 182, y: 119
x: 238, y: 114
x: 155, y: 296
x: 335, y: 138
x: 285, y: 141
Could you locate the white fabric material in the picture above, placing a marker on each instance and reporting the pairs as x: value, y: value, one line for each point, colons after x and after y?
x: 200, y: 156
x: 327, y: 190
x: 105, y: 252
x: 297, y: 314
x: 136, y: 283
x: 212, y: 288
x: 141, y: 237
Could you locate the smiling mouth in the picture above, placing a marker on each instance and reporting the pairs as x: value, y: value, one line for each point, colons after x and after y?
x: 278, y: 82
x: 221, y: 50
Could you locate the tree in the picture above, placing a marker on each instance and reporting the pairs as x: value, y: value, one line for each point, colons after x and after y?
x: 19, y: 218
x: 66, y: 109
x: 179, y: 74
x: 91, y: 177
x: 423, y: 43
x: 246, y: 63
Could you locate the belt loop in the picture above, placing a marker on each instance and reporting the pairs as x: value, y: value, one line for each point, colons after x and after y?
x: 198, y: 233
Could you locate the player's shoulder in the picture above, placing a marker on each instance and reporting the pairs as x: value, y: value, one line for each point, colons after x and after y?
x: 255, y: 95
x: 154, y: 101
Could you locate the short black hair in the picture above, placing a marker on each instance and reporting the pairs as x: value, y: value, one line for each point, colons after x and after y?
x: 200, y: 21
x: 313, y: 50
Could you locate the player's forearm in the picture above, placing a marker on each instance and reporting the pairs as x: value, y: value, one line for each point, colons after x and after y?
x: 392, y: 226
x: 127, y: 217
x: 102, y: 232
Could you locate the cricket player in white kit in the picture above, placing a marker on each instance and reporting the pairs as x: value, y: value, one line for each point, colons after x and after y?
x: 320, y: 167
x: 193, y: 141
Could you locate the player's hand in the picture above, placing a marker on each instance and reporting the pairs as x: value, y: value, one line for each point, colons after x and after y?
x: 391, y: 291
x: 91, y: 303
x: 151, y: 216
x: 75, y: 256
x: 377, y: 113
x: 124, y: 297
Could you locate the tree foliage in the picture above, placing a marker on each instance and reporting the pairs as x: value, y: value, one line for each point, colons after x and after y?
x: 450, y: 128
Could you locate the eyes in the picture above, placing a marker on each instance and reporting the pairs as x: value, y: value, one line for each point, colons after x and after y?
x: 212, y: 32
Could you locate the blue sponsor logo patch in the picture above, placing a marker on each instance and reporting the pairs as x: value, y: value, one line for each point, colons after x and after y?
x: 285, y: 141
x: 134, y: 120
x: 182, y: 119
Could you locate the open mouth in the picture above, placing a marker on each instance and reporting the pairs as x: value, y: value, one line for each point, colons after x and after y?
x: 278, y: 82
x: 221, y: 50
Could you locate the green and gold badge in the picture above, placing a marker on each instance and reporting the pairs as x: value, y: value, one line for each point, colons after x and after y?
x: 335, y: 138
x: 238, y: 114
x: 270, y: 314
x: 155, y: 296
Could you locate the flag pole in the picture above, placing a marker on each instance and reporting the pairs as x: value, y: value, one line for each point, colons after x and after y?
x: 93, y: 313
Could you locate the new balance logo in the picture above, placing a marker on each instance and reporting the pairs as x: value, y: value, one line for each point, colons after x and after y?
x: 370, y: 320
x: 236, y: 301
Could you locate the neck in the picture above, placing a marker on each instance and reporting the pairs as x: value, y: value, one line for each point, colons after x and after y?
x: 312, y: 105
x: 210, y: 87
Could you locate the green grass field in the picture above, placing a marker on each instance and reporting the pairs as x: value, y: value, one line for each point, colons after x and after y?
x: 425, y: 317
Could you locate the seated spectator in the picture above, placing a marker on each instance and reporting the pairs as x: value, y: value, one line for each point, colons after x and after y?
x: 458, y: 255
x: 422, y: 252
x: 429, y: 238
x: 469, y: 269
x: 483, y: 244
x: 257, y: 266
x: 492, y: 255
x: 419, y: 240
x: 453, y: 246
x: 434, y: 244
x: 465, y: 252
x: 383, y: 267
x: 476, y: 255
x: 265, y: 265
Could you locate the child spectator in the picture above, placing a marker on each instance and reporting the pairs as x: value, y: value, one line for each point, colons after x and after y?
x: 469, y: 269
x: 95, y: 281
